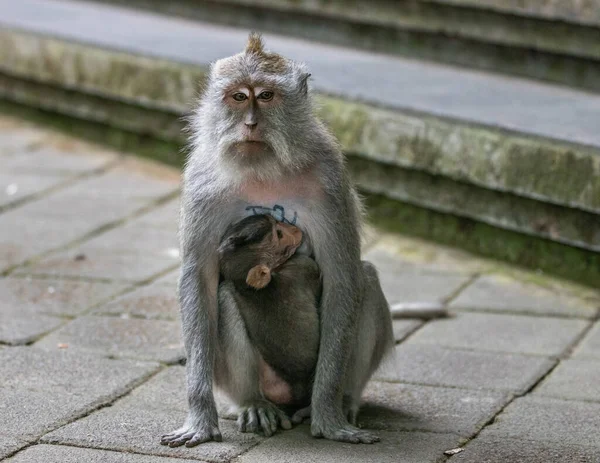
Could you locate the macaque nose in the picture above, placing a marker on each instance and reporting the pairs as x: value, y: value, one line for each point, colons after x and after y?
x: 251, y: 124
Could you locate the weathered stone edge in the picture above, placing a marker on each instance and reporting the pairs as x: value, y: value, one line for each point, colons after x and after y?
x: 450, y: 19
x: 545, y: 170
x: 504, y: 210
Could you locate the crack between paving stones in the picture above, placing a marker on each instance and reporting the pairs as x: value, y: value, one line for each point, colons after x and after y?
x: 128, y: 389
x: 92, y: 234
x: 69, y: 181
x: 448, y: 299
x: 532, y: 388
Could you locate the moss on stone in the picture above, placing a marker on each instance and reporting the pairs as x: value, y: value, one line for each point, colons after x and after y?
x: 553, y: 258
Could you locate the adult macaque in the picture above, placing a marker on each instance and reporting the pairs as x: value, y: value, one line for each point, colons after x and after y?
x: 258, y: 146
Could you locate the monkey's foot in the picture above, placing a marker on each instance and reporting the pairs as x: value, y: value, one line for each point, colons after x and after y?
x: 344, y: 433
x: 192, y: 435
x: 262, y: 417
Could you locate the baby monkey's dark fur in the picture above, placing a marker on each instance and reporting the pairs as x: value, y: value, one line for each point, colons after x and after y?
x: 276, y: 291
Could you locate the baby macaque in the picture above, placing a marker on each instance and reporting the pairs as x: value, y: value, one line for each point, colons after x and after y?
x: 277, y: 294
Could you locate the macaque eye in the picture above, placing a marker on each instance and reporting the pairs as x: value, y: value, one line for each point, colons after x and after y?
x: 266, y: 95
x: 239, y: 96
x: 279, y: 234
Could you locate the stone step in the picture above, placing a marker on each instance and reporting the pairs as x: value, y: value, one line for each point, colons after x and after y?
x: 544, y: 39
x: 507, y: 152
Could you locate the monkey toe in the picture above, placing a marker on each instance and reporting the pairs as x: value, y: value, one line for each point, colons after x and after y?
x: 301, y: 415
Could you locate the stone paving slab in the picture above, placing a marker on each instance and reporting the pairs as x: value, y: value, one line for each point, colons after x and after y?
x: 494, y: 450
x: 30, y: 308
x: 23, y: 236
x: 40, y: 391
x: 40, y: 225
x: 402, y: 284
x: 406, y: 407
x: 64, y: 454
x: 169, y: 279
x: 503, y: 333
x: 15, y: 137
x: 573, y: 379
x: 137, y: 237
x: 152, y: 301
x: 15, y: 187
x: 298, y: 446
x: 57, y: 158
x: 158, y: 340
x: 136, y: 422
x: 590, y: 345
x: 503, y: 294
x: 549, y: 420
x: 436, y: 366
x: 403, y: 328
x: 9, y: 445
x: 104, y: 264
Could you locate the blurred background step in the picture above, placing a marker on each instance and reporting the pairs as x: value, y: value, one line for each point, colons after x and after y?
x: 503, y: 166
x: 552, y: 40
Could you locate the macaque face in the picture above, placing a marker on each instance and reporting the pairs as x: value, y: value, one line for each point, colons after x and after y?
x: 253, y: 136
x: 256, y: 246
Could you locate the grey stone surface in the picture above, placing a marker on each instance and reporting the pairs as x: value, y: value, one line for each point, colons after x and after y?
x: 23, y: 326
x: 496, y: 450
x: 169, y: 279
x: 548, y: 420
x: 9, y: 445
x: 573, y: 379
x: 16, y: 187
x: 138, y: 238
x: 120, y: 337
x: 136, y: 422
x: 40, y: 225
x: 24, y: 235
x: 502, y: 333
x: 30, y: 308
x: 402, y: 328
x: 64, y: 454
x: 103, y: 263
x: 498, y: 293
x: 406, y: 407
x: 401, y: 283
x: 54, y: 296
x: 103, y: 198
x: 40, y: 391
x: 17, y: 138
x: 590, y: 345
x: 298, y: 445
x: 404, y: 83
x: 152, y: 301
x: 58, y: 160
x: 436, y: 366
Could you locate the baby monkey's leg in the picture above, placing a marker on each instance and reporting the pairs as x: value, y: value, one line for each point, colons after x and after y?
x: 237, y: 372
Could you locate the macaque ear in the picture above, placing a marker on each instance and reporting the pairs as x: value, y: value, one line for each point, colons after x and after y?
x: 259, y: 276
x: 304, y: 83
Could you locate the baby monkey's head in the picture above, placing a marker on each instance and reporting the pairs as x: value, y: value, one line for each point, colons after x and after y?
x: 252, y: 248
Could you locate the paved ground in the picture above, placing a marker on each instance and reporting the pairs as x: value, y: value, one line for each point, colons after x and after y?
x: 90, y: 343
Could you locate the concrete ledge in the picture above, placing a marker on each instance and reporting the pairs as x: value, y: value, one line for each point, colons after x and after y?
x: 522, y: 182
x: 547, y: 42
